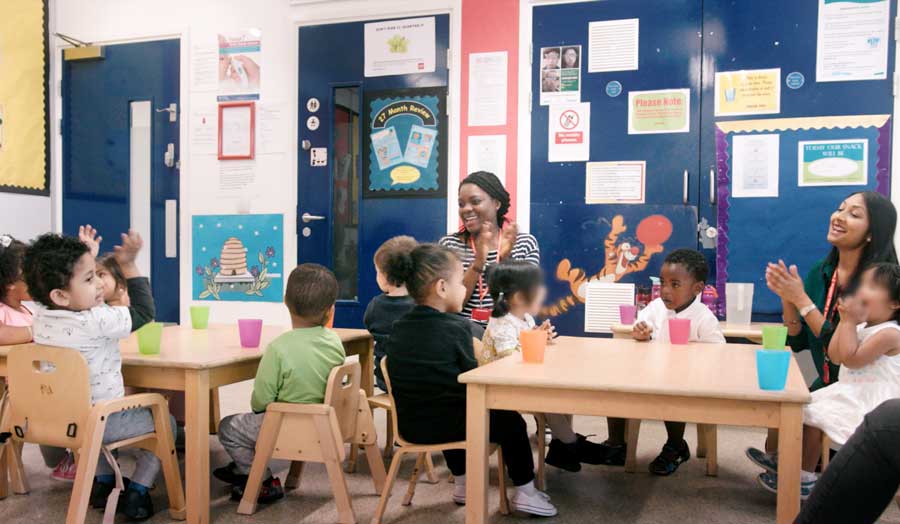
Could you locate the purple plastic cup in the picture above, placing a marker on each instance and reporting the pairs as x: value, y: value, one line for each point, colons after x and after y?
x: 627, y: 313
x: 250, y: 330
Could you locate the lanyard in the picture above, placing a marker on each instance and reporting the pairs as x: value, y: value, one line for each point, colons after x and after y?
x: 482, y: 288
x: 829, y: 316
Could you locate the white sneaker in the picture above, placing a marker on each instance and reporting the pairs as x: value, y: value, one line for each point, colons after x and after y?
x: 459, y: 494
x: 537, y: 503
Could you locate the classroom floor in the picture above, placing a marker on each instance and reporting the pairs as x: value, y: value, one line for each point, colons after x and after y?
x: 596, y: 494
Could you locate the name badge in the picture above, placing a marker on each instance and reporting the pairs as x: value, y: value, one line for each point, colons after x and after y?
x: 481, y: 314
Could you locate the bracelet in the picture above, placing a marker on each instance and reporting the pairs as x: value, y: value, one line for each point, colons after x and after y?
x: 789, y: 322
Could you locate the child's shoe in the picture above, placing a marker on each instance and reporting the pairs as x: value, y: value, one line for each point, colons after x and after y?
x: 530, y: 500
x: 65, y: 470
x: 769, y: 482
x: 670, y: 458
x: 229, y: 475
x: 563, y: 456
x: 591, y: 452
x: 611, y: 454
x: 459, y: 493
x: 269, y: 492
x: 136, y: 505
x: 767, y: 461
x: 100, y: 492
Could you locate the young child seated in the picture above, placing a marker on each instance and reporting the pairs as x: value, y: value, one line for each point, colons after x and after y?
x: 866, y: 344
x: 115, y: 286
x: 518, y: 292
x: 294, y: 368
x: 683, y: 277
x: 15, y: 317
x: 60, y: 273
x: 395, y: 301
x: 427, y: 350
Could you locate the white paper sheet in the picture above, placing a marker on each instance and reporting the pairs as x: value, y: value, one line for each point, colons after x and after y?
x: 613, y: 45
x: 487, y: 153
x: 236, y: 178
x: 236, y: 129
x: 399, y: 47
x: 615, y: 182
x: 271, y: 119
x: 204, y: 67
x: 487, y: 88
x: 569, y: 136
x: 852, y: 40
x: 754, y: 166
x: 203, y: 130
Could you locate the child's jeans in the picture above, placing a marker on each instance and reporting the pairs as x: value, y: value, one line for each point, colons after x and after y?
x: 128, y: 424
x: 238, y: 434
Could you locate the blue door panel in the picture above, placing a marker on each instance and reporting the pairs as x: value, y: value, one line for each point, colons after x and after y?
x: 332, y: 56
x: 96, y: 150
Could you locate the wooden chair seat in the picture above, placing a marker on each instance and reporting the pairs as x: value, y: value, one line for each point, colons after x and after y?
x: 383, y: 401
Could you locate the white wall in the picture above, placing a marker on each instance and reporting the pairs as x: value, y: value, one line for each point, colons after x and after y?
x: 24, y: 216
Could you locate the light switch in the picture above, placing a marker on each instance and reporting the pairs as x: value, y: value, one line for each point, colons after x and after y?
x: 318, y: 156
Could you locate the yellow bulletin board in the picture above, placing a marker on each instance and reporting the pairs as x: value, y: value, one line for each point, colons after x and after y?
x: 24, y: 117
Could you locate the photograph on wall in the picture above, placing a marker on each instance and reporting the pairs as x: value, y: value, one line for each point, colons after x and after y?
x: 238, y: 258
x: 406, y: 139
x: 663, y: 111
x: 560, y: 74
x: 239, y: 65
x: 832, y: 162
x: 400, y: 47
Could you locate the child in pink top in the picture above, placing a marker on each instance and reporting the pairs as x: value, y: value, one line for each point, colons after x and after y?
x: 15, y: 317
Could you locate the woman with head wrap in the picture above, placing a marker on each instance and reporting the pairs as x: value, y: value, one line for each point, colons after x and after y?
x: 485, y: 238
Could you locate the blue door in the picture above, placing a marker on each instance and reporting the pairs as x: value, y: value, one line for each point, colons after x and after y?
x: 615, y: 242
x: 340, y: 225
x: 116, y: 129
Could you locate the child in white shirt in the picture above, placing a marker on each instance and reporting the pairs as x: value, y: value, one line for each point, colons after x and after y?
x: 683, y: 277
x: 60, y: 273
x: 518, y: 292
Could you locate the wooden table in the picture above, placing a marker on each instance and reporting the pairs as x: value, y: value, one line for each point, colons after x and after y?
x: 704, y: 383
x: 752, y: 332
x: 198, y: 362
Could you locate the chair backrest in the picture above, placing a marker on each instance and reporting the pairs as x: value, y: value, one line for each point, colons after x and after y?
x: 49, y: 395
x: 390, y: 392
x: 342, y: 394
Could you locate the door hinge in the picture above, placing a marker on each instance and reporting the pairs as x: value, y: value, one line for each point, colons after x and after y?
x: 449, y: 56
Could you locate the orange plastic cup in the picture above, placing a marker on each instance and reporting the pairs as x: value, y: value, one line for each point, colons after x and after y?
x: 534, y: 342
x: 330, y: 323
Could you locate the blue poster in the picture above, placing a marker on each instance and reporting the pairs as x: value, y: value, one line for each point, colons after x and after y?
x: 238, y: 257
x: 406, y: 133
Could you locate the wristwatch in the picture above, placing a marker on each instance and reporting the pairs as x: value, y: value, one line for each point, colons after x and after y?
x: 807, y: 310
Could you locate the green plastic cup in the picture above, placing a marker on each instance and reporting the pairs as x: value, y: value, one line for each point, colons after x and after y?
x: 774, y: 337
x: 149, y: 337
x: 199, y: 317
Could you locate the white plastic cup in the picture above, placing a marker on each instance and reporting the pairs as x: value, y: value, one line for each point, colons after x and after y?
x: 738, y: 303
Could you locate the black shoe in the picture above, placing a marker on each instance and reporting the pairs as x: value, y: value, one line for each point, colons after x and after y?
x: 670, y: 458
x: 136, y: 505
x: 229, y: 475
x: 269, y: 492
x: 100, y: 492
x: 563, y: 456
x: 609, y: 454
x: 591, y: 452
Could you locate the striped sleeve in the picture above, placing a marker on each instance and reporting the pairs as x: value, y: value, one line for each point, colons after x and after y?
x: 526, y: 248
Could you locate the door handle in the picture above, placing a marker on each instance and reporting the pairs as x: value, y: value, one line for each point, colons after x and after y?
x: 712, y: 186
x: 307, y: 218
x: 684, y: 195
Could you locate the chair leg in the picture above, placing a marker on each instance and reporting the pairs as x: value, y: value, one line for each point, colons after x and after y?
x: 389, y: 434
x: 388, y: 485
x: 429, y: 470
x: 84, y: 474
x: 168, y: 458
x: 826, y: 452
x: 265, y: 444
x: 376, y: 466
x: 17, y: 469
x: 632, y: 429
x: 417, y: 471
x: 293, y: 477
x: 4, y: 470
x: 351, y: 460
x: 341, y: 495
x: 701, y: 441
x: 501, y: 482
x: 540, y: 479
x: 710, y: 440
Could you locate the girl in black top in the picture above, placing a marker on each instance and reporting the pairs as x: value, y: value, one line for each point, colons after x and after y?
x: 427, y: 350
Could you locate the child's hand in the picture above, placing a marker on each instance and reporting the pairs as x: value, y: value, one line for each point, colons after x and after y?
x: 90, y: 237
x: 641, y: 331
x: 127, y: 252
x: 852, y: 310
x: 550, y: 329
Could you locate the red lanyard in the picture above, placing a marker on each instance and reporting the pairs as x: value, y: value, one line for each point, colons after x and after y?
x: 829, y: 316
x: 482, y: 289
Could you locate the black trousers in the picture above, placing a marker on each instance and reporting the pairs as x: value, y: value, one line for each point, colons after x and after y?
x: 863, y: 477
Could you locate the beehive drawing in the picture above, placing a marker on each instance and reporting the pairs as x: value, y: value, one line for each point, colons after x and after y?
x: 233, y: 261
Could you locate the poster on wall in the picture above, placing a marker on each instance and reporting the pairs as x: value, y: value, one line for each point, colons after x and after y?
x: 560, y: 74
x: 406, y: 140
x: 615, y: 182
x: 613, y: 45
x: 399, y: 47
x: 237, y: 258
x: 754, y: 166
x: 487, y: 88
x: 663, y: 111
x: 852, y: 40
x: 487, y: 153
x: 752, y: 92
x: 239, y: 65
x: 832, y: 162
x: 569, y: 132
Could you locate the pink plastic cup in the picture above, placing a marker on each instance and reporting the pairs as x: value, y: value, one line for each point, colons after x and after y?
x: 627, y: 313
x: 679, y: 330
x: 250, y: 330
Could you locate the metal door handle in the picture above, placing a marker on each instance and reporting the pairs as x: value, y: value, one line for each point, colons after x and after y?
x: 712, y: 186
x: 306, y: 217
x: 685, y: 187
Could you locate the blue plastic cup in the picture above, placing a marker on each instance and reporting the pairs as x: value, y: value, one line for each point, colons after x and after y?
x: 772, y: 368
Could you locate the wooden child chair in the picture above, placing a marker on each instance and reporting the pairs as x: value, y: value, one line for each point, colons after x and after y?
x: 317, y: 433
x: 404, y: 447
x: 50, y: 404
x: 383, y: 401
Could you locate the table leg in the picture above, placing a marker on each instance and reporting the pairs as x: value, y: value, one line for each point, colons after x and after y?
x: 477, y: 454
x: 789, y: 452
x: 366, y: 352
x: 196, y: 462
x: 214, y: 414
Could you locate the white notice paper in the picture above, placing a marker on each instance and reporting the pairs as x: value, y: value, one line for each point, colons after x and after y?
x: 613, y: 45
x: 204, y: 67
x: 204, y: 131
x: 852, y: 41
x: 235, y: 178
x: 487, y: 89
x: 399, y: 47
x: 270, y: 128
x: 487, y: 153
x: 615, y: 182
x: 237, y: 122
x: 754, y: 166
x: 569, y: 137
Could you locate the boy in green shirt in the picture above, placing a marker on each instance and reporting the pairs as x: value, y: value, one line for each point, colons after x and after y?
x: 294, y: 368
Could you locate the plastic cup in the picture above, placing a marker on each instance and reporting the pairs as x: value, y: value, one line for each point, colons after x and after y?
x: 738, y: 303
x: 149, y: 338
x: 627, y: 313
x: 199, y: 317
x: 534, y: 342
x: 330, y: 323
x: 772, y: 368
x: 774, y: 337
x: 679, y: 330
x: 250, y: 330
